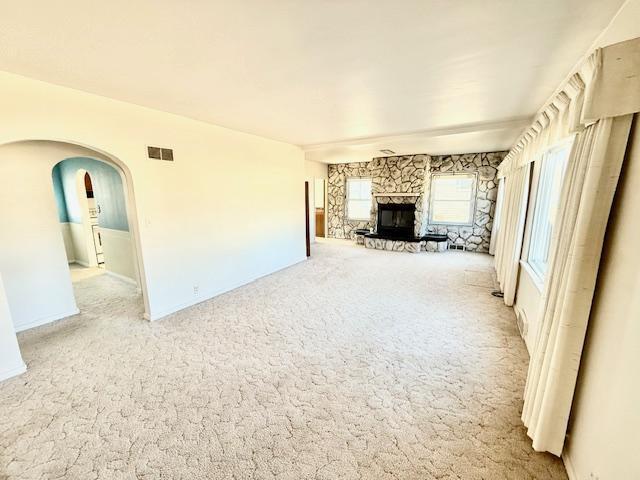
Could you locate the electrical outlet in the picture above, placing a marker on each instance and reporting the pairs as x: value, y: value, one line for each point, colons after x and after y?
x: 196, y: 289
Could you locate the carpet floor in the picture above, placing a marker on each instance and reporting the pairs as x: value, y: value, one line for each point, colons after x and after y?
x: 355, y: 364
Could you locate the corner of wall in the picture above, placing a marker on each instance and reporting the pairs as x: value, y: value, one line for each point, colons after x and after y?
x: 568, y: 465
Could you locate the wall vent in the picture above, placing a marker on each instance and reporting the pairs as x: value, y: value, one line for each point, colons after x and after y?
x: 157, y: 153
x: 453, y: 246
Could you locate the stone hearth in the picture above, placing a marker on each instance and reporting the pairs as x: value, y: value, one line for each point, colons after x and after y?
x: 404, y: 245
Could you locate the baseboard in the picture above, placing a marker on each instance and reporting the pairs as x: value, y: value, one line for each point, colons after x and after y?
x: 522, y: 324
x: 203, y: 297
x: 80, y: 262
x: 45, y: 320
x: 121, y: 277
x: 12, y: 372
x: 568, y: 465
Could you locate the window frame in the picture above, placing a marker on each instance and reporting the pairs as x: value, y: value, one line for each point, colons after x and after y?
x: 472, y: 201
x: 347, y: 199
x: 538, y: 274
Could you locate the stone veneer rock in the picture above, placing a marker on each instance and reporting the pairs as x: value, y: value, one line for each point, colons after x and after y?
x: 412, y: 174
x: 476, y: 237
x: 402, y: 246
x: 388, y: 175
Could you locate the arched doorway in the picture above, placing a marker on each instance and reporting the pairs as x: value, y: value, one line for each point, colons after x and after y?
x: 34, y: 266
x: 93, y: 220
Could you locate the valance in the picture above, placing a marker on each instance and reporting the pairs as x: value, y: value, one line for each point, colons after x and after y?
x: 615, y: 89
x: 606, y: 85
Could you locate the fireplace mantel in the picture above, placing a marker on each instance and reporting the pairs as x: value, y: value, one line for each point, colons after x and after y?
x: 397, y: 194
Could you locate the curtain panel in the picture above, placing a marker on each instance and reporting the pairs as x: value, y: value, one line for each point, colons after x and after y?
x: 596, y: 106
x: 587, y: 194
x: 496, y: 218
x: 513, y: 208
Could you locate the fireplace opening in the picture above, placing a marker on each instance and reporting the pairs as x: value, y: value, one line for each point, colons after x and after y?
x: 396, y: 220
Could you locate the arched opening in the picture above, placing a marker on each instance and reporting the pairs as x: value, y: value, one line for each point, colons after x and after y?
x: 38, y: 268
x: 88, y: 185
x: 93, y: 221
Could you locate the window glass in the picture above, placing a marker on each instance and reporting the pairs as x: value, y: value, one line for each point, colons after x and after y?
x: 554, y: 163
x: 359, y: 198
x: 452, y: 199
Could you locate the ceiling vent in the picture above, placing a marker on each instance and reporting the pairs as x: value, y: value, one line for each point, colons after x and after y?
x: 157, y: 153
x: 387, y: 151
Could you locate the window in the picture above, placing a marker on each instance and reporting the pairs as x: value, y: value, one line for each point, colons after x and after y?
x: 452, y: 199
x: 359, y: 198
x: 554, y: 163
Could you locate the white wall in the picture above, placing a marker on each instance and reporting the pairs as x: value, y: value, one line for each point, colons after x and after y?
x: 67, y: 238
x: 78, y: 235
x: 529, y: 290
x: 604, y: 430
x: 228, y: 210
x: 118, y: 253
x: 33, y: 259
x: 527, y: 305
x: 319, y: 194
x: 315, y: 170
x: 10, y: 359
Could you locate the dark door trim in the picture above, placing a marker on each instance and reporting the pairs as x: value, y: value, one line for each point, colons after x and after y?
x: 306, y: 217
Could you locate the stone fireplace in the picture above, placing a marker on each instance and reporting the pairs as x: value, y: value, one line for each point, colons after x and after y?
x: 393, y: 180
x: 414, y: 200
x: 406, y: 180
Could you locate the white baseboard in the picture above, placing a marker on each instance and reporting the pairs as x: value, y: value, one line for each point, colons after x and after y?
x: 203, y: 297
x: 12, y: 372
x: 121, y: 277
x: 80, y: 262
x: 568, y: 465
x: 45, y: 320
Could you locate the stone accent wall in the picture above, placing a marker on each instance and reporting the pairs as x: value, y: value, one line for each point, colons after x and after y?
x: 412, y: 174
x: 404, y: 174
x: 477, y: 236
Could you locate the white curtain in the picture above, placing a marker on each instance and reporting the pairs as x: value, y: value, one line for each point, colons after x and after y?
x: 596, y: 105
x: 513, y: 210
x: 497, y: 217
x: 554, y: 123
x: 588, y: 189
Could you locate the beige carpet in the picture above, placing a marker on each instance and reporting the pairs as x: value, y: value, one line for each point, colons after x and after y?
x: 356, y: 364
x: 79, y: 273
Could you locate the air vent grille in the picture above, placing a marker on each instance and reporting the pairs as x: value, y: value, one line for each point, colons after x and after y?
x: 157, y: 153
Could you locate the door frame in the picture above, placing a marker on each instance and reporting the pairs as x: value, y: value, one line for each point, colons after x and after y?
x: 306, y: 218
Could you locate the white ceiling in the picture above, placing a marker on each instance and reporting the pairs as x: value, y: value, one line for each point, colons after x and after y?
x: 454, y: 75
